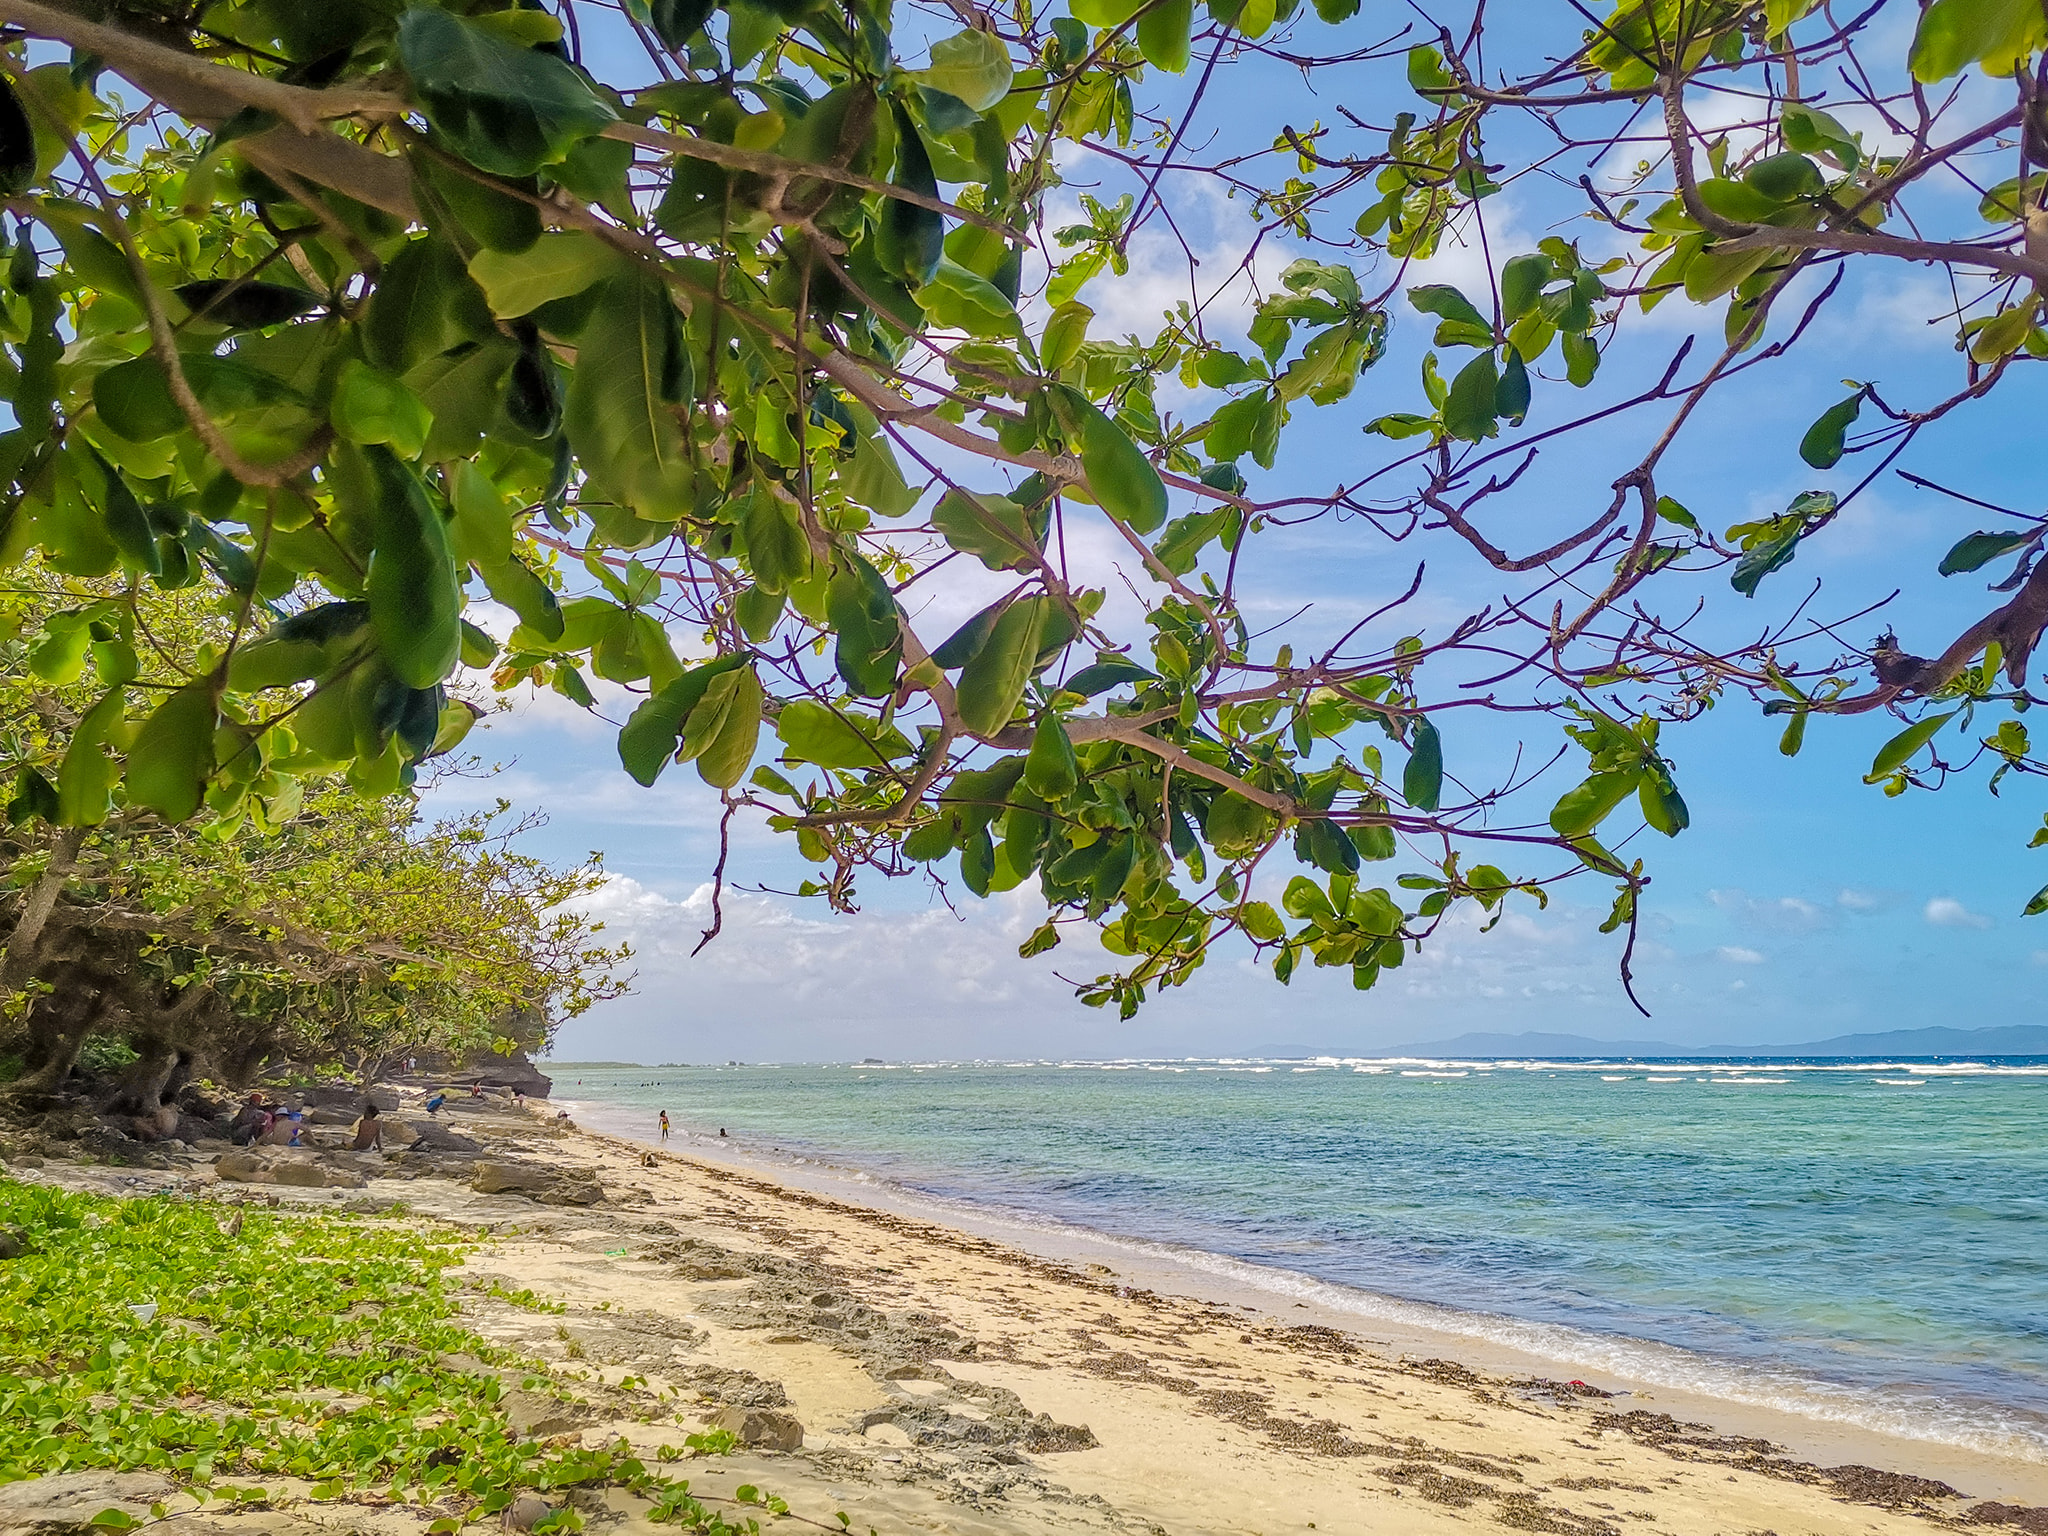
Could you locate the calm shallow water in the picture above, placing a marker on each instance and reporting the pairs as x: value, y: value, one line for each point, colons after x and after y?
x: 1864, y: 1241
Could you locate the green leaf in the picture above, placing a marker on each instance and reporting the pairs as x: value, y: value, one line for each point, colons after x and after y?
x: 483, y: 518
x: 243, y: 305
x: 1452, y: 307
x: 912, y: 239
x: 960, y: 647
x: 415, y: 594
x: 504, y: 108
x: 1164, y: 32
x: 1981, y: 548
x: 1897, y: 752
x: 1582, y: 809
x: 1663, y: 807
x: 862, y: 611
x: 1051, y: 770
x: 373, y: 407
x: 776, y: 546
x: 1422, y: 782
x: 127, y: 525
x: 173, y: 753
x: 972, y: 65
x: 1237, y: 826
x: 1469, y: 408
x: 1822, y: 446
x: 1067, y: 329
x: 17, y: 143
x: 1261, y: 922
x: 1124, y: 482
x: 1581, y: 359
x: 724, y: 728
x: 992, y: 681
x: 85, y: 779
x: 1764, y: 558
x: 488, y: 215
x: 2038, y: 905
x: 1511, y: 395
x: 625, y: 433
x: 1795, y: 734
x: 556, y: 266
x: 647, y: 742
x: 1180, y: 548
x: 994, y: 529
x: 512, y: 582
x: 425, y: 303
x: 1814, y: 132
x: 1785, y: 177
x: 134, y: 398
x: 1522, y: 281
x: 1954, y: 34
x: 814, y: 732
x: 1110, y: 672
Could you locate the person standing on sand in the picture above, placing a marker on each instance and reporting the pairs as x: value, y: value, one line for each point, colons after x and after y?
x: 664, y: 1125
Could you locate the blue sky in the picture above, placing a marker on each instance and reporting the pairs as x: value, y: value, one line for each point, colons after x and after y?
x: 1800, y: 904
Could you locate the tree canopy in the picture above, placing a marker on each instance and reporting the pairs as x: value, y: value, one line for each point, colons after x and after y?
x: 721, y: 344
x: 316, y: 927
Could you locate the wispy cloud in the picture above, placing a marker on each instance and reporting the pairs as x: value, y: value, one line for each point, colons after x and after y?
x: 1947, y: 912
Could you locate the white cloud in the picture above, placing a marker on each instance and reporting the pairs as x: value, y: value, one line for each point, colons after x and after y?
x: 1735, y: 954
x: 1947, y: 912
x: 1782, y: 914
x: 1860, y: 901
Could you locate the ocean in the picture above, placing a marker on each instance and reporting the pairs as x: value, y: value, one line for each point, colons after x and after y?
x: 1859, y: 1241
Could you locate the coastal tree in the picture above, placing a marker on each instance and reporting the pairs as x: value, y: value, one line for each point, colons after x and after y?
x: 716, y: 343
x: 321, y: 926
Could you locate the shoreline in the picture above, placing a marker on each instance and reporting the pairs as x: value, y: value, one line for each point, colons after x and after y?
x: 927, y: 1378
x: 1837, y: 1423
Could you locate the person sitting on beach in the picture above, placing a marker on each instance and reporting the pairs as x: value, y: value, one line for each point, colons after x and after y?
x: 664, y: 1125
x: 476, y: 1090
x: 280, y: 1127
x: 369, y: 1131
x: 434, y: 1104
x: 251, y: 1120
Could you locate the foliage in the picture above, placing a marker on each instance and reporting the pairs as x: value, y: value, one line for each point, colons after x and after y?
x: 303, y: 921
x: 316, y: 1348
x: 366, y: 314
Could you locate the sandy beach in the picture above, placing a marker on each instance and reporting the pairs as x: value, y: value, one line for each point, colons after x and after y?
x: 948, y: 1381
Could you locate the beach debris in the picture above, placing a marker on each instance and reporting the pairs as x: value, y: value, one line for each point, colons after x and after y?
x: 2032, y: 1519
x: 760, y: 1428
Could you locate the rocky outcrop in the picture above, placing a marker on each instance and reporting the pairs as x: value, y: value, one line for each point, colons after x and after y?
x: 293, y: 1167
x: 761, y: 1429
x: 550, y: 1186
x: 67, y: 1502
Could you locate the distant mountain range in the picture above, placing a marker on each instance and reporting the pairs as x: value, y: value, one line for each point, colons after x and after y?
x: 1999, y: 1040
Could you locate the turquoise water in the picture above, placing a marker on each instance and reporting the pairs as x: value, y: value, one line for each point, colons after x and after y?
x: 1861, y: 1241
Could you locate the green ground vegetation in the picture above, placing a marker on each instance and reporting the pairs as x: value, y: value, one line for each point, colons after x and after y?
x: 324, y: 1349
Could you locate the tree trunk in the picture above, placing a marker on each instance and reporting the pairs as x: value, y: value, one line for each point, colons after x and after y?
x: 59, y: 1051
x: 18, y: 961
x: 140, y: 1089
